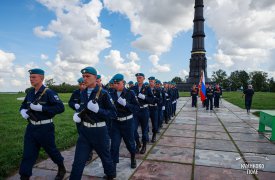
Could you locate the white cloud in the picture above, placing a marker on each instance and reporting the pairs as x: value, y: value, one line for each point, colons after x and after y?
x: 64, y: 71
x: 155, y: 23
x: 12, y: 76
x: 44, y: 56
x: 2, y: 82
x: 245, y: 33
x: 156, y: 66
x: 38, y: 31
x: 81, y: 36
x: 183, y: 73
x: 6, y: 61
x: 128, y: 68
x: 16, y: 82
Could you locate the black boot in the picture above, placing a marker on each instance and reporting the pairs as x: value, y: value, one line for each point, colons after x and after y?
x: 153, y: 138
x: 138, y: 145
x: 24, y: 177
x: 109, y: 177
x: 143, y: 149
x: 61, y: 172
x: 133, y: 161
x: 166, y: 120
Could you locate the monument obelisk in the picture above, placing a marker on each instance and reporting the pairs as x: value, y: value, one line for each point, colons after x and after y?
x: 198, y: 61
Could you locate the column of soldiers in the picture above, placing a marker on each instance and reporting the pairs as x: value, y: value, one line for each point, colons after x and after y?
x: 103, y: 116
x: 211, y: 94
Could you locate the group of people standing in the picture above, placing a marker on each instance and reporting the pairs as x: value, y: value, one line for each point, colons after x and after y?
x: 211, y: 93
x: 216, y: 93
x: 103, y: 116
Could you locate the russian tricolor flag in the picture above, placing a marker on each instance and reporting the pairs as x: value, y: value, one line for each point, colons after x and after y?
x: 202, y: 87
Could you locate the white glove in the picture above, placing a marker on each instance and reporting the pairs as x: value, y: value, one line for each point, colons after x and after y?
x: 93, y: 106
x: 37, y: 107
x: 121, y: 101
x: 76, y: 106
x: 24, y: 114
x: 221, y: 96
x: 166, y: 94
x: 76, y: 118
x: 163, y: 108
x: 141, y: 96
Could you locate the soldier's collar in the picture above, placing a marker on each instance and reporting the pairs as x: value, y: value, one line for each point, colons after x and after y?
x: 41, y: 89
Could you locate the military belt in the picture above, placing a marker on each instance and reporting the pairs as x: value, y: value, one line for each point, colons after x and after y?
x: 153, y: 104
x: 89, y: 125
x: 144, y: 106
x: 46, y: 121
x: 125, y: 118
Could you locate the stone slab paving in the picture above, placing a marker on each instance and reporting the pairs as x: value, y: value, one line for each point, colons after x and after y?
x: 196, y: 145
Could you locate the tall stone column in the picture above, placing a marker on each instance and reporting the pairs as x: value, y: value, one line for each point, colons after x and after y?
x: 198, y: 61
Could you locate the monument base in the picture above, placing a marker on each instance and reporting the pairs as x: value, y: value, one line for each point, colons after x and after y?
x: 184, y: 86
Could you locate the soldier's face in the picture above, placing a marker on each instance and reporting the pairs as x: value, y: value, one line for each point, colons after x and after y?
x: 36, y: 79
x: 140, y: 79
x: 157, y: 85
x: 119, y: 85
x: 152, y: 83
x: 89, y: 79
x: 98, y: 81
x: 82, y: 86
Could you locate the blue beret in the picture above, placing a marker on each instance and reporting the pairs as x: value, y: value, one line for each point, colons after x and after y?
x: 146, y: 83
x: 158, y: 81
x: 89, y: 70
x: 164, y: 82
x: 118, y: 77
x: 139, y: 74
x: 36, y: 71
x: 111, y: 81
x: 130, y: 82
x: 80, y: 80
x: 151, y: 78
x: 98, y: 76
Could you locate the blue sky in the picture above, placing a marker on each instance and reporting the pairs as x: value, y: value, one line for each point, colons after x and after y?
x: 129, y: 36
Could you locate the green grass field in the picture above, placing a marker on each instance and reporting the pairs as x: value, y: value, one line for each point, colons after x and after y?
x: 12, y: 125
x: 261, y: 100
x: 12, y: 128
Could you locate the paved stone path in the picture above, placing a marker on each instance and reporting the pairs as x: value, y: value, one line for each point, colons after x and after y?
x: 196, y: 144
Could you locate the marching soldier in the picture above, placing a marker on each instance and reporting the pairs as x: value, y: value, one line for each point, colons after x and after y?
x: 194, y: 95
x: 153, y: 108
x: 95, y: 109
x: 123, y: 126
x: 175, y: 97
x: 131, y: 85
x: 39, y: 107
x: 161, y: 104
x: 217, y: 95
x: 99, y: 81
x: 145, y: 97
x: 209, y: 97
x: 167, y: 111
x: 111, y: 86
x: 74, y: 101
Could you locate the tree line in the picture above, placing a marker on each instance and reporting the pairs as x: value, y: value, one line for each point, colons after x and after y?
x: 61, y: 88
x: 239, y: 79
